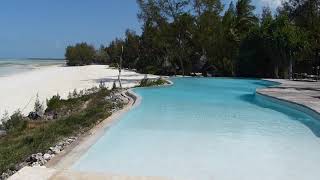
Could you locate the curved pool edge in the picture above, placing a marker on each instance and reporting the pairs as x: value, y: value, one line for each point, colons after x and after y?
x: 299, y: 107
x: 137, y: 98
x: 66, y: 159
x: 272, y: 97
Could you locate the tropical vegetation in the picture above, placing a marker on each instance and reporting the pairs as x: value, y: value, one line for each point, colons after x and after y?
x: 152, y: 82
x: 205, y: 36
x: 62, y: 118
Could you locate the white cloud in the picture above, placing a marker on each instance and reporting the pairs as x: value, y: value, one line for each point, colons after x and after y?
x: 271, y: 3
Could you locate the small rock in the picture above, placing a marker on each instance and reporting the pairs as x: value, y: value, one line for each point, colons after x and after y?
x: 70, y: 140
x: 49, y: 117
x: 35, y: 164
x: 4, y: 175
x: 60, y: 144
x: 7, y: 174
x: 49, y: 152
x: 47, y: 157
x: 35, y: 157
x: 56, y: 149
x: 20, y: 166
x: 42, y: 162
x: 34, y: 116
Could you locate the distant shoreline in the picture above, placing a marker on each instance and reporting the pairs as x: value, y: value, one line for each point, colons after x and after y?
x: 62, y: 59
x: 10, y: 67
x: 31, y: 58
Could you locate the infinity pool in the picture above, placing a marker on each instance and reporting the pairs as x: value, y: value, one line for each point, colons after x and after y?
x: 209, y: 129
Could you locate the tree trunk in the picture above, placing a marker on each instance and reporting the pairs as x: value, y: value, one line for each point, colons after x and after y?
x: 276, y: 71
x: 119, y: 77
x: 290, y: 68
x: 181, y: 64
x: 120, y: 67
x: 181, y: 58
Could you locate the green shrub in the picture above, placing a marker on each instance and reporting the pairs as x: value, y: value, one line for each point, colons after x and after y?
x: 114, y: 85
x: 80, y: 54
x: 24, y: 140
x: 54, y: 102
x: 16, y: 122
x: 38, y: 106
x: 150, y: 82
x: 151, y: 70
x: 114, y: 65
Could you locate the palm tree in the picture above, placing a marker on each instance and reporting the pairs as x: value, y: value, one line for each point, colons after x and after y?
x: 245, y: 18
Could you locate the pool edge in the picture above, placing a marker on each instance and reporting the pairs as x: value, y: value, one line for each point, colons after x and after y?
x: 297, y: 104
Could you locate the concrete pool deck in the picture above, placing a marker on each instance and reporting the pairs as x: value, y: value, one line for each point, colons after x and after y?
x: 305, y: 94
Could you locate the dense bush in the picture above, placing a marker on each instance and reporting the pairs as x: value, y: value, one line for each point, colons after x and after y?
x: 54, y: 102
x: 151, y: 82
x: 80, y: 54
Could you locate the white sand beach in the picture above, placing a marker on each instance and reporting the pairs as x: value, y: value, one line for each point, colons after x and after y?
x: 19, y: 91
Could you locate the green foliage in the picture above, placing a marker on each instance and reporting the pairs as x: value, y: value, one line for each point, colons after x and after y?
x: 80, y: 54
x: 191, y: 36
x: 54, y: 102
x: 101, y: 56
x: 114, y: 51
x: 151, y: 82
x: 22, y: 140
x: 245, y: 18
x: 131, y: 46
x: 15, y: 123
x: 38, y: 106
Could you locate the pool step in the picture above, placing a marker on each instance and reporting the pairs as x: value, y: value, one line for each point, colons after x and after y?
x: 42, y: 173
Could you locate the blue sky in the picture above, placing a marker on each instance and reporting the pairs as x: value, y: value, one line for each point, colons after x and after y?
x: 43, y: 28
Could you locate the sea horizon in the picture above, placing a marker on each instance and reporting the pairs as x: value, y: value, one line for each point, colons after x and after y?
x: 10, y: 66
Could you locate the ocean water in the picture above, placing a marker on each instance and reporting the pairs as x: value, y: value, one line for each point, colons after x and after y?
x: 14, y: 66
x: 209, y: 129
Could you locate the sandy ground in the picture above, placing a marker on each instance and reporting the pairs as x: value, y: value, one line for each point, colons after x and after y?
x: 40, y: 173
x: 19, y: 91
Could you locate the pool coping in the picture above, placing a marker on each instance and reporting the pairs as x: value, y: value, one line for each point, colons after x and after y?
x: 282, y: 93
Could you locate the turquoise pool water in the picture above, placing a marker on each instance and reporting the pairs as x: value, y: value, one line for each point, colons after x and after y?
x: 207, y: 129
